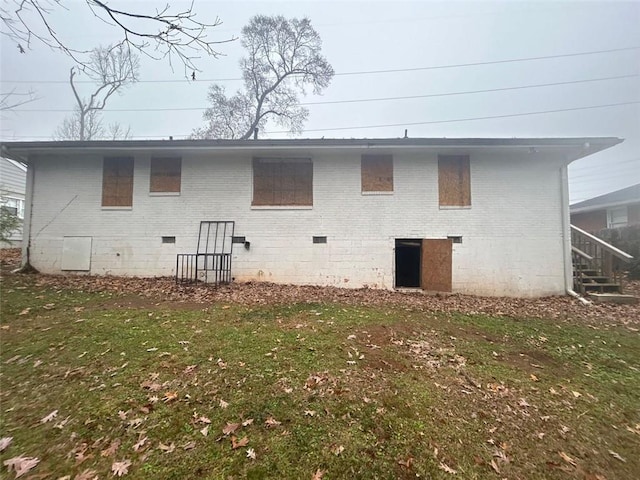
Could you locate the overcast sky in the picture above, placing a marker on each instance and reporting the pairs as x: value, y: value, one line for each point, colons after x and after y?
x: 363, y: 37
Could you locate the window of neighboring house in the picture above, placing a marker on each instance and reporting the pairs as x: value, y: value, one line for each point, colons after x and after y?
x: 166, y: 175
x: 454, y: 181
x: 117, y: 182
x: 15, y: 206
x: 377, y: 173
x: 282, y: 182
x: 617, y: 217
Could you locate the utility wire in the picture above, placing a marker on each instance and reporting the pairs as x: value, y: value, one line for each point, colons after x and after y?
x: 465, y: 119
x: 368, y: 72
x: 360, y: 100
x: 357, y: 127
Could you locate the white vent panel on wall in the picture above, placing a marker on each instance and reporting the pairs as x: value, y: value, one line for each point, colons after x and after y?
x: 76, y: 253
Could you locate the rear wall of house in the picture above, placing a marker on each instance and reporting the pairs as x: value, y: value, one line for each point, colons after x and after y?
x: 512, y: 236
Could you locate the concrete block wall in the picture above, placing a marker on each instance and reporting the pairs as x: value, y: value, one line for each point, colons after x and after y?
x: 512, y: 233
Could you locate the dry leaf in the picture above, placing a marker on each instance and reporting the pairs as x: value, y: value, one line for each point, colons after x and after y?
x: 5, y: 442
x: 50, y: 417
x: 111, y: 450
x: 251, y: 453
x: 235, y: 443
x: 87, y: 475
x: 576, y: 394
x: 271, y: 422
x: 567, y: 458
x: 617, y: 456
x: 447, y: 468
x: 223, y: 404
x: 230, y: 428
x: 170, y: 396
x: 310, y: 413
x: 247, y: 422
x: 337, y: 449
x: 494, y: 465
x: 20, y: 464
x: 189, y: 446
x: 167, y: 448
x: 139, y: 444
x: 318, y: 475
x: 120, y: 468
x: 205, y: 431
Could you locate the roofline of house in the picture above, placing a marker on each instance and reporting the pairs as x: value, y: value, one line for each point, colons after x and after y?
x: 592, y: 208
x: 581, y: 146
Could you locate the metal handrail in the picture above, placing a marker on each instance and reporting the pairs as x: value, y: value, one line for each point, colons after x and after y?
x: 582, y: 254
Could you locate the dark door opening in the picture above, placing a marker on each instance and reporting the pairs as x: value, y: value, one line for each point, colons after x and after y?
x: 408, y: 261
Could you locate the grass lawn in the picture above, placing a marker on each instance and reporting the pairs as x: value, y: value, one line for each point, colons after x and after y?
x: 95, y: 381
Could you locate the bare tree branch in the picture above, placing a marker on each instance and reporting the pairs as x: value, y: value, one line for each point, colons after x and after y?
x: 163, y: 34
x: 284, y: 57
x: 111, y: 68
x: 14, y: 99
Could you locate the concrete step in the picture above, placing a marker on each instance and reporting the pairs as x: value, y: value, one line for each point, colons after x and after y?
x: 618, y: 298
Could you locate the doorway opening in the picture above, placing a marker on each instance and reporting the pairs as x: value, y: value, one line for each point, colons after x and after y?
x: 408, y: 261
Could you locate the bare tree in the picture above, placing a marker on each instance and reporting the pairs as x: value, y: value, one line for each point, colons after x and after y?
x: 14, y: 98
x: 111, y: 68
x: 163, y: 33
x: 284, y: 59
x: 116, y: 131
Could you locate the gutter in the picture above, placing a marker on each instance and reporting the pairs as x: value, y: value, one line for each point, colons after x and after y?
x: 566, y: 237
x: 28, y: 209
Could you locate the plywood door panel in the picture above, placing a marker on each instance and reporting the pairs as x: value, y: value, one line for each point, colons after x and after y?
x: 436, y: 265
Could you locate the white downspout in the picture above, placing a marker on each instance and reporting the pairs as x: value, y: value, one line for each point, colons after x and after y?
x: 26, y: 227
x: 566, y: 237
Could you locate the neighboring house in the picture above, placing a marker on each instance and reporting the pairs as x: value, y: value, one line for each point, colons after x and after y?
x: 612, y: 210
x: 13, y: 177
x: 438, y: 214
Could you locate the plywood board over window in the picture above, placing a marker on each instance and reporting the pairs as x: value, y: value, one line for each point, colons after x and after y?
x: 282, y: 182
x: 117, y: 182
x: 377, y: 173
x: 454, y: 181
x: 166, y: 175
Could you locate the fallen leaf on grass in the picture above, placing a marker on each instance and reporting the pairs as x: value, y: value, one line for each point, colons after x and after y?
x: 247, y: 422
x: 318, y: 475
x: 406, y: 463
x: 170, y: 396
x: 576, y: 394
x: 87, y: 475
x: 337, y: 449
x: 121, y: 468
x: 49, y: 417
x: 235, y: 443
x: 567, y: 458
x: 447, y: 468
x: 21, y: 465
x: 111, y: 449
x: 189, y: 446
x: 230, y: 428
x: 271, y: 422
x: 205, y: 431
x: 310, y: 413
x: 494, y: 465
x: 251, y: 453
x: 168, y: 448
x: 139, y: 444
x: 617, y: 456
x: 5, y: 442
x: 223, y: 404
x: 25, y: 311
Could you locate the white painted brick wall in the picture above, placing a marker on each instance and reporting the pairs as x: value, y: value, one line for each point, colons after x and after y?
x: 512, y: 234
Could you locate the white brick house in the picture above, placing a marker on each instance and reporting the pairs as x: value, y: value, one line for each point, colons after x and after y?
x: 477, y: 216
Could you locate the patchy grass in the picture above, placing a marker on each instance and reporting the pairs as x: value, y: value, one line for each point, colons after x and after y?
x: 325, y: 389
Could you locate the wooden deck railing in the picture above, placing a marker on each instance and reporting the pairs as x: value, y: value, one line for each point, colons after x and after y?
x: 592, y: 253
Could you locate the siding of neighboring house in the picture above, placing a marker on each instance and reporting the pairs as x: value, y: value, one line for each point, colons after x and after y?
x: 502, y: 252
x: 12, y: 190
x: 590, y: 221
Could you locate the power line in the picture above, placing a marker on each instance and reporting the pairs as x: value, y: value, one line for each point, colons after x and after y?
x: 366, y: 72
x: 406, y: 124
x: 467, y: 119
x: 361, y: 100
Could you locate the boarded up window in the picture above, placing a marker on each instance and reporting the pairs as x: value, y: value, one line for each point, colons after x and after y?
x: 454, y: 181
x: 165, y: 174
x: 283, y: 182
x: 377, y: 173
x: 117, y: 182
